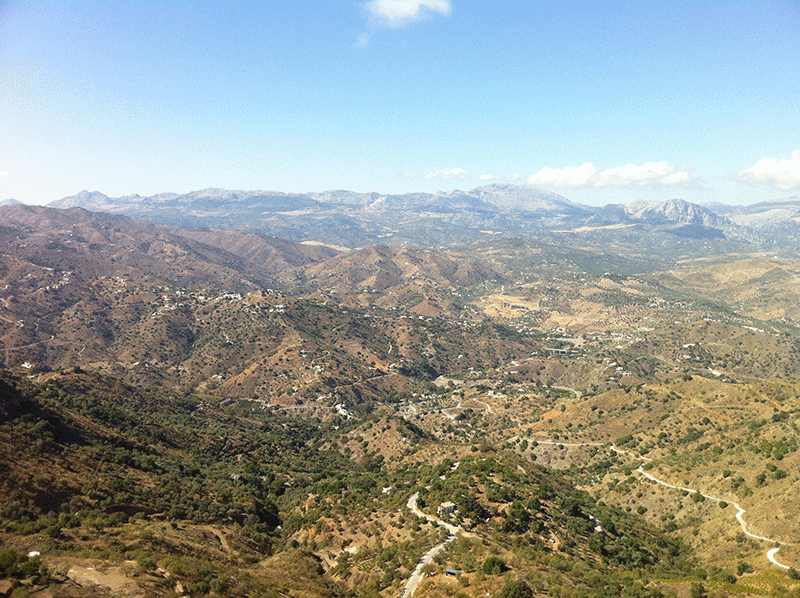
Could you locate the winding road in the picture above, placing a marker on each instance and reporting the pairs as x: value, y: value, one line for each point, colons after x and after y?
x: 428, y: 557
x: 417, y: 575
x: 739, y: 510
x: 739, y: 515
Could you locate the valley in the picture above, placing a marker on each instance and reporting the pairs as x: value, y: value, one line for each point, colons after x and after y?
x: 188, y: 411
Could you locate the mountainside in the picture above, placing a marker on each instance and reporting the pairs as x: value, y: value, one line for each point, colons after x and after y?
x: 688, y: 218
x: 140, y: 493
x: 425, y: 282
x: 115, y: 244
x: 605, y: 411
x: 199, y: 309
x: 778, y: 220
x: 350, y: 219
x: 674, y: 211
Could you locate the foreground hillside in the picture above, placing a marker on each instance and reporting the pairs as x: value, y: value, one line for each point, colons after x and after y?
x: 198, y: 412
x: 146, y: 494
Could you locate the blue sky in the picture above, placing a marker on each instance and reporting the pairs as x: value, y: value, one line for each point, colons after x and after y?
x: 602, y: 102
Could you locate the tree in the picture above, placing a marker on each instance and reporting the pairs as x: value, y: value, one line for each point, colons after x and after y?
x: 494, y: 565
x: 429, y: 569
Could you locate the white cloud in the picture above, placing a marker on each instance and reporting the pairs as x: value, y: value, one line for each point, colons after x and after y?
x: 649, y: 173
x: 488, y: 177
x: 448, y: 173
x: 588, y: 175
x: 399, y: 13
x: 783, y: 174
x: 4, y: 173
x: 569, y: 176
x: 514, y: 177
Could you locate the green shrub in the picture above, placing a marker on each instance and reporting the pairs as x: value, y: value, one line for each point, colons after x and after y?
x: 17, y: 565
x: 494, y: 565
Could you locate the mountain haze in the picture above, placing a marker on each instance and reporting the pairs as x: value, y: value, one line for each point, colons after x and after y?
x: 350, y: 219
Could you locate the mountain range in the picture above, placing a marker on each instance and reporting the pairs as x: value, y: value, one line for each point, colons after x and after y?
x: 352, y: 220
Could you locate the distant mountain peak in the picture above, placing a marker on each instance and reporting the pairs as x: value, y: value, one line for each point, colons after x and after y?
x: 507, y: 195
x: 681, y: 213
x: 677, y: 210
x: 87, y: 199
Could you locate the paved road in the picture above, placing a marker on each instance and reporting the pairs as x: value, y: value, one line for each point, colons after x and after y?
x: 428, y: 557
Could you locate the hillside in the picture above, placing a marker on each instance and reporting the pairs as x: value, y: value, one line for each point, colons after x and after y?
x: 230, y: 495
x: 223, y: 413
x: 426, y: 282
x: 108, y: 245
x: 182, y: 308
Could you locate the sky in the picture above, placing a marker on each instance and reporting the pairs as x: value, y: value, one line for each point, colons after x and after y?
x: 601, y: 102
